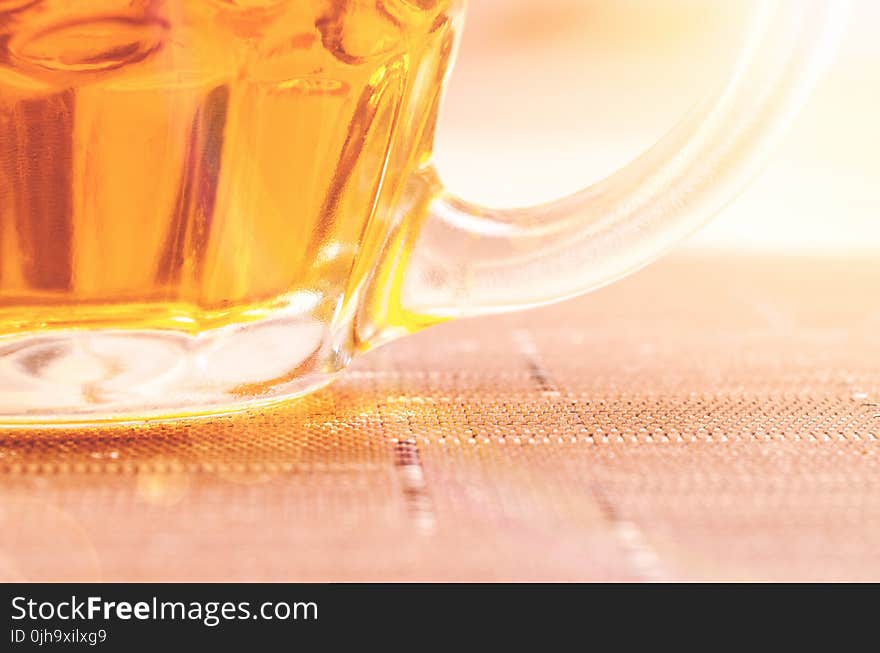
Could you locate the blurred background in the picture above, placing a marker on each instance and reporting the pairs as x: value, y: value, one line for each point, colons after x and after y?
x: 550, y: 95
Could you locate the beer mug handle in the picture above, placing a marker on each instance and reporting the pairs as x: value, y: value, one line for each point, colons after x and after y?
x: 465, y: 260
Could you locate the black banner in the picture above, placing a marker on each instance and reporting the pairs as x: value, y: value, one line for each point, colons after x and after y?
x: 133, y: 617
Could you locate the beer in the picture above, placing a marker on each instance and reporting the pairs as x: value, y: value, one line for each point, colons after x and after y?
x: 189, y: 164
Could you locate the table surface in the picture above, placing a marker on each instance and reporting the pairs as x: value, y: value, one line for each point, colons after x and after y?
x: 710, y: 418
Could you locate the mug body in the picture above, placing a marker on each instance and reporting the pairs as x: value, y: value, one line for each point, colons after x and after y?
x: 196, y: 195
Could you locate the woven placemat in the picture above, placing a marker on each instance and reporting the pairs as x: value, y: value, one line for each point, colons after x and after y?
x: 709, y: 418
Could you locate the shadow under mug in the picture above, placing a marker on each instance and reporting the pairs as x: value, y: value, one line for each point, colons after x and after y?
x: 207, y: 206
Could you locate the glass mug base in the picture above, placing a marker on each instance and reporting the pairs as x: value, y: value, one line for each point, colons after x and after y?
x: 103, y: 376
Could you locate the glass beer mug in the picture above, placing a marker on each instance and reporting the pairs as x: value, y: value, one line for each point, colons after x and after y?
x: 207, y: 205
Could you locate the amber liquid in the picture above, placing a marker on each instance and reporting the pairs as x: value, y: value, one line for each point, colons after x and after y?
x: 187, y: 164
